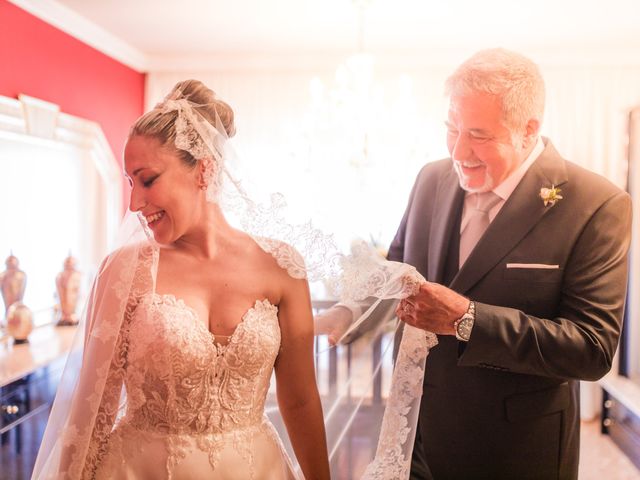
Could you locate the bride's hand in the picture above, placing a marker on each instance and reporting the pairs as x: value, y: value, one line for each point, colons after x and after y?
x: 333, y: 322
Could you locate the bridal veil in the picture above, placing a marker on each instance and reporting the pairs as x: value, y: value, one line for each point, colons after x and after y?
x: 370, y: 423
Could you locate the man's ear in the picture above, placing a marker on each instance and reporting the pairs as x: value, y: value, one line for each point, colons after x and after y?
x: 532, y: 128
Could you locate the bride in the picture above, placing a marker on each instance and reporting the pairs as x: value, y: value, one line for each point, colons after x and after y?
x: 191, y: 324
x: 190, y: 316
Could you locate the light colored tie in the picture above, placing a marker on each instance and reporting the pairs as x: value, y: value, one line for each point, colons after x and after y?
x: 478, y: 223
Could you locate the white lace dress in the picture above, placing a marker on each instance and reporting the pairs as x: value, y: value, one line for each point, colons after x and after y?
x: 195, y: 408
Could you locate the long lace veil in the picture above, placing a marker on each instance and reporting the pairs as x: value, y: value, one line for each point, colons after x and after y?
x: 370, y: 419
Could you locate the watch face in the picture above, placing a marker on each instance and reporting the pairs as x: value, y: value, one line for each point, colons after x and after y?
x: 464, y: 327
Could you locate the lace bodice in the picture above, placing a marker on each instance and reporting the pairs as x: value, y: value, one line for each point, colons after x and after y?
x: 186, y: 390
x: 180, y: 380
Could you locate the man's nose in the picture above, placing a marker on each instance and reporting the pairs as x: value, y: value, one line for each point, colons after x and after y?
x: 461, y: 148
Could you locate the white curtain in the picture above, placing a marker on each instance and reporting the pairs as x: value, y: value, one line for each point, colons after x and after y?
x: 49, y: 196
x: 587, y: 108
x: 281, y: 144
x: 587, y: 114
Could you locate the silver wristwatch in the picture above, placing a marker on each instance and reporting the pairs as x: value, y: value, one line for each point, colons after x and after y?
x: 464, y: 324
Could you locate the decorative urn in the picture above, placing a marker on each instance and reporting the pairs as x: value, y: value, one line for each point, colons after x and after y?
x: 12, y: 282
x: 19, y: 322
x: 68, y: 288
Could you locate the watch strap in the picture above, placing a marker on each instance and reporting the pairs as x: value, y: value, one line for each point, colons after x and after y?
x: 469, y: 316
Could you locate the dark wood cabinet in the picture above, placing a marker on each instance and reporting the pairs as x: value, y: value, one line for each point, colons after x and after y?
x: 621, y: 415
x: 25, y: 398
x: 29, y: 377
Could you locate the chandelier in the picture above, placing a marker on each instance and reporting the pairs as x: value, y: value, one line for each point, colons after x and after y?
x: 355, y: 111
x: 359, y: 138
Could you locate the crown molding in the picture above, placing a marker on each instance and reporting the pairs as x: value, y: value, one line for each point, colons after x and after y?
x: 97, y: 37
x: 86, y: 31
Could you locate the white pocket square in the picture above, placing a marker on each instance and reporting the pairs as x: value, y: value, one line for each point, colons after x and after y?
x: 541, y: 266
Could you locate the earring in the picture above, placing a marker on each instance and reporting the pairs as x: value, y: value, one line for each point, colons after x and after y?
x: 203, y: 186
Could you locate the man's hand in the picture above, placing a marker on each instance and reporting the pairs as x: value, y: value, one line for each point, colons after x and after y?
x: 333, y: 322
x: 434, y: 308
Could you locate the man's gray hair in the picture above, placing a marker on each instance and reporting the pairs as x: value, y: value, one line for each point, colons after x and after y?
x: 510, y: 76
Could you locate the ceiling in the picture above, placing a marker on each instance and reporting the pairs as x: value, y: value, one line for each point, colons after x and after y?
x: 157, y: 31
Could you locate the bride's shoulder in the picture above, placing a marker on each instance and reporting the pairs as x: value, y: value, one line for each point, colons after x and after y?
x: 126, y: 256
x: 286, y: 256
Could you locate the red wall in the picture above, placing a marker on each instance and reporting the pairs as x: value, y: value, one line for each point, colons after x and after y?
x: 39, y: 60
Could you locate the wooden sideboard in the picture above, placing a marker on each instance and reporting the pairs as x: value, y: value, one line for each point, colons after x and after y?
x: 29, y: 376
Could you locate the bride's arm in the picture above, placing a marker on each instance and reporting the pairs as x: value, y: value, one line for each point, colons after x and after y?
x: 297, y: 391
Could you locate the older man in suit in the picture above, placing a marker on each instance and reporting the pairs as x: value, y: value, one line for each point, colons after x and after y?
x: 526, y: 258
x: 525, y: 254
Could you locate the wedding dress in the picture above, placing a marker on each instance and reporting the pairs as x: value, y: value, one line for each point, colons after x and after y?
x: 196, y: 406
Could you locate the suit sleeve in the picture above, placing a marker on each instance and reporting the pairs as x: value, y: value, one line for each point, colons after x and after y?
x: 579, y: 343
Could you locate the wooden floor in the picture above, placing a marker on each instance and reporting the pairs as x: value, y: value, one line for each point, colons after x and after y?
x: 600, y: 459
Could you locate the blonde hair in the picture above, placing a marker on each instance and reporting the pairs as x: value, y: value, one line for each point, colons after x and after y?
x: 510, y: 76
x: 160, y: 124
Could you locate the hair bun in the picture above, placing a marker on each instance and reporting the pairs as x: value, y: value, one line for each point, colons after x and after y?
x: 208, y: 104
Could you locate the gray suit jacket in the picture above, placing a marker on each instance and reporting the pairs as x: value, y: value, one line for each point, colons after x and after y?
x: 506, y: 404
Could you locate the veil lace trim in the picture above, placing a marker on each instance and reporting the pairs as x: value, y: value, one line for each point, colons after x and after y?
x: 109, y: 402
x: 393, y: 455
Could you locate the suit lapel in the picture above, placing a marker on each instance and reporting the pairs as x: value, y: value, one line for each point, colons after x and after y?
x: 448, y: 201
x: 522, y: 211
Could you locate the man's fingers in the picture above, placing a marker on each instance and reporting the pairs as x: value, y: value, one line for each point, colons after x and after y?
x: 406, y: 311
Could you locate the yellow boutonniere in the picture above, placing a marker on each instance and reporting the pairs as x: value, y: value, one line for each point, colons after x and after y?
x: 550, y: 195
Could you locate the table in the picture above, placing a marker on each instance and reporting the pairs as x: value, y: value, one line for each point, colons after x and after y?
x: 29, y: 376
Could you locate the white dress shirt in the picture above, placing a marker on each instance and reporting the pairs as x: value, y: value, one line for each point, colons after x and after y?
x: 505, y: 189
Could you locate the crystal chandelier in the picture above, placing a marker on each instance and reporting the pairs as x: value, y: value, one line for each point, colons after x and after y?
x: 355, y: 109
x: 356, y: 141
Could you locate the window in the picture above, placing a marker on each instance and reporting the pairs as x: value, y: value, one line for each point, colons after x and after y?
x: 60, y: 193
